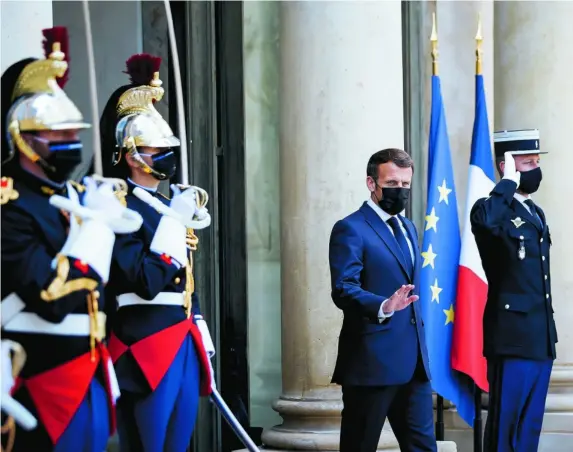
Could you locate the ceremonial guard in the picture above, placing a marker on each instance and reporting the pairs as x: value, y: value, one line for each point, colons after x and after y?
x: 519, y: 332
x: 160, y: 343
x: 57, y: 242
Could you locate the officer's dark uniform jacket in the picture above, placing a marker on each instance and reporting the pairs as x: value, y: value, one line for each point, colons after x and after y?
x: 146, y: 336
x: 518, y: 318
x: 33, y: 232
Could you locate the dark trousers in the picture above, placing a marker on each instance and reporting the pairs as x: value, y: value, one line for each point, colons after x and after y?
x: 163, y: 421
x: 408, y: 407
x: 518, y: 389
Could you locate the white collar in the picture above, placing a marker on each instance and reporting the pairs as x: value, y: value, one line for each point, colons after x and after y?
x: 153, y: 190
x: 521, y: 198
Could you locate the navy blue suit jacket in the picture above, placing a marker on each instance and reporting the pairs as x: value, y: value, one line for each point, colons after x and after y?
x: 367, y: 267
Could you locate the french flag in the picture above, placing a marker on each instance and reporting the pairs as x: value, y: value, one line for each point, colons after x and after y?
x: 467, y: 344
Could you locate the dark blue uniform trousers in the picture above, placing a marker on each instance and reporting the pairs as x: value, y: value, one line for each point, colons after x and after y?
x: 89, y: 429
x: 518, y: 389
x: 163, y: 420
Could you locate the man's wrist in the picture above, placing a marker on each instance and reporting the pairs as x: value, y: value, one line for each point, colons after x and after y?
x: 384, y: 312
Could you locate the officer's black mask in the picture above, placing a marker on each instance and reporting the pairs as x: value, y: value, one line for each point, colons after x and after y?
x: 530, y: 180
x: 62, y: 159
x: 164, y: 162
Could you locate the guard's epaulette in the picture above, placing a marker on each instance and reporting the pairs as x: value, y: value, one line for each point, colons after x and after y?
x: 79, y: 187
x: 7, y: 190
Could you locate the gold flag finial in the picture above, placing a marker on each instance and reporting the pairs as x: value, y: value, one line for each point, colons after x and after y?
x: 434, y: 41
x: 479, y: 52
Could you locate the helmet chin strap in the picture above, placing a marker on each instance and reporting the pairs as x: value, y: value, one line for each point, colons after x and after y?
x: 129, y: 144
x: 22, y: 146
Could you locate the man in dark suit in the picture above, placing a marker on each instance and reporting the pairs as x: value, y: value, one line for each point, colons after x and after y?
x: 519, y: 331
x: 382, y: 362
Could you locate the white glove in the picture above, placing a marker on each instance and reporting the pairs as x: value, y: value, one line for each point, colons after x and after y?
x: 74, y: 228
x: 101, y: 204
x: 205, y: 335
x: 184, y: 202
x: 95, y: 238
x: 213, y: 381
x: 10, y: 406
x: 101, y: 198
x: 185, y: 205
x: 509, y: 171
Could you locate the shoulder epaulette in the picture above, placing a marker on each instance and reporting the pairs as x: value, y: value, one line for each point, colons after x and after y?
x: 7, y: 190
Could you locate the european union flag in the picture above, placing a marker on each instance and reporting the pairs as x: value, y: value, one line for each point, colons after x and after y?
x: 441, y: 254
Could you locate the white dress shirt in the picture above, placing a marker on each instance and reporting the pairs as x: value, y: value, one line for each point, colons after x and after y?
x: 522, y: 200
x: 385, y: 216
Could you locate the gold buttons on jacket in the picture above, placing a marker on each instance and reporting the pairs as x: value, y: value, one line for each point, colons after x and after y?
x: 177, y: 280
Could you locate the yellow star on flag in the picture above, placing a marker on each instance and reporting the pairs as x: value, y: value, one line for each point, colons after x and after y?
x: 432, y: 220
x: 436, y: 291
x: 449, y: 314
x: 429, y: 256
x: 444, y: 192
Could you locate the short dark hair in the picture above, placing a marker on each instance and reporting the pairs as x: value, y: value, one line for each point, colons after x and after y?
x: 397, y: 156
x: 498, y: 161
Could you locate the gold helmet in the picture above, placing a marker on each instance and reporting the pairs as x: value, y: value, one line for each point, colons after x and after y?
x: 137, y: 122
x: 33, y: 99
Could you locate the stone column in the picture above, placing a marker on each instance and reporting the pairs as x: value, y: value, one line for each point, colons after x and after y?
x: 533, y: 90
x: 341, y: 101
x: 22, y: 26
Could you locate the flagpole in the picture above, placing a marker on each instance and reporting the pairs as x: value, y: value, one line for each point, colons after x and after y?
x: 478, y: 423
x: 439, y: 428
x: 434, y: 42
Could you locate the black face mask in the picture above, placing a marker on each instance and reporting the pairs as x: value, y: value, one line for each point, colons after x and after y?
x: 165, y: 163
x: 394, y: 199
x: 63, y: 158
x: 530, y: 180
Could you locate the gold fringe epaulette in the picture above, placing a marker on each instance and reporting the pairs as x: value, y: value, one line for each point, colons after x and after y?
x: 120, y: 193
x: 7, y: 191
x: 80, y: 188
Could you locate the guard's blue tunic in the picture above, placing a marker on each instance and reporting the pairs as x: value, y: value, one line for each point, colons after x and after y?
x: 157, y: 351
x: 60, y: 384
x: 519, y: 329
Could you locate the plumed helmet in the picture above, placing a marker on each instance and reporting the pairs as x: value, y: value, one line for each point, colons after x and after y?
x: 133, y: 117
x: 33, y: 98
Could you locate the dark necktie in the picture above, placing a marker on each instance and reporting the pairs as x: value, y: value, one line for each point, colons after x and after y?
x: 402, y: 242
x: 534, y: 213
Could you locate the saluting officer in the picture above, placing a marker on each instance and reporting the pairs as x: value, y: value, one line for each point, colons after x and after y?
x: 160, y: 344
x: 519, y: 332
x: 55, y: 263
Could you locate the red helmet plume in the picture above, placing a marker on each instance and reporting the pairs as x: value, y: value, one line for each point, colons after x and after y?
x: 141, y: 67
x: 57, y: 34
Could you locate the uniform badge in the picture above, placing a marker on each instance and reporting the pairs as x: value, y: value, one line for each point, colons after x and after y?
x: 517, y: 222
x: 521, y: 250
x: 7, y: 191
